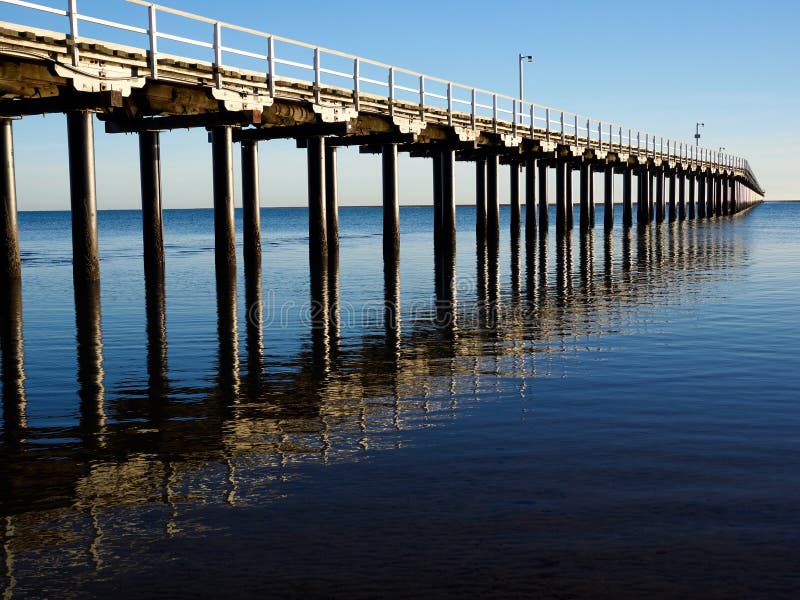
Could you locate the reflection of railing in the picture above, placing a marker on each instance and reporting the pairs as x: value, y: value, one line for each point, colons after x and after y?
x: 396, y: 85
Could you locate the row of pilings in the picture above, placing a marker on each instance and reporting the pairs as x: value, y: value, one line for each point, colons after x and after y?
x: 673, y: 193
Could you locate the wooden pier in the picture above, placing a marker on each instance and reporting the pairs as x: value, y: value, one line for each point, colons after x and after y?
x: 144, y: 91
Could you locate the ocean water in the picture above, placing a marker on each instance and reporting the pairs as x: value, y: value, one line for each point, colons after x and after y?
x: 611, y: 416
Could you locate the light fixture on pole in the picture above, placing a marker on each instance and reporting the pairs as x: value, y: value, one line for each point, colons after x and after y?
x: 697, y: 133
x: 523, y: 58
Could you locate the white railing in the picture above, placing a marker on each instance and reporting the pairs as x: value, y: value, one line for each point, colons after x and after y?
x: 391, y: 83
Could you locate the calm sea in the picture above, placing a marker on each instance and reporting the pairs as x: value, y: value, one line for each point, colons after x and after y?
x: 608, y: 416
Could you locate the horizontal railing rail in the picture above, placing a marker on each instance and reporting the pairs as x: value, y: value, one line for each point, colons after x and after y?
x: 428, y: 91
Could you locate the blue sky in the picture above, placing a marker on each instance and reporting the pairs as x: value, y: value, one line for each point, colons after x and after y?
x: 654, y: 66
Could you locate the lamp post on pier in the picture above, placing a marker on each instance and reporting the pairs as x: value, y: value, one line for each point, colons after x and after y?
x: 523, y: 58
x: 697, y: 133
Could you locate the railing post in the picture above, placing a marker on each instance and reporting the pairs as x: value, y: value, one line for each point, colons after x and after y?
x: 547, y: 116
x: 271, y: 66
x: 533, y: 121
x: 449, y: 103
x: 494, y: 111
x: 151, y: 14
x: 514, y: 119
x: 218, y: 53
x: 318, y: 77
x: 473, y: 115
x: 357, y: 83
x: 72, y: 13
x: 422, y: 97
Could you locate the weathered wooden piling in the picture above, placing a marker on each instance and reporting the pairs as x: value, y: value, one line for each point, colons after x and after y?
x: 152, y: 222
x: 530, y: 199
x: 10, y: 266
x: 710, y: 206
x: 660, y: 205
x: 591, y: 197
x: 317, y: 221
x: 726, y: 196
x: 514, y: 198
x: 718, y: 195
x: 83, y: 197
x: 682, y: 196
x: 627, y: 197
x: 156, y: 325
x: 224, y: 228
x: 251, y: 207
x: 492, y: 198
x: 701, y: 195
x: 480, y: 198
x: 570, y: 199
x: 391, y: 204
x: 436, y: 161
x: 449, y: 200
x: 544, y: 206
x: 692, y: 192
x: 673, y: 192
x: 585, y: 174
x: 561, y: 195
x: 608, y: 198
x: 642, y: 196
x: 332, y: 200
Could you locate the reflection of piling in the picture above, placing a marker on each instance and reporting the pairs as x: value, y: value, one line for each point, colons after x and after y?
x: 91, y: 390
x: 608, y: 259
x: 228, y: 335
x: 391, y: 310
x: 156, y: 312
x: 12, y: 368
x: 320, y: 319
x: 9, y: 230
x: 516, y: 274
x: 587, y: 262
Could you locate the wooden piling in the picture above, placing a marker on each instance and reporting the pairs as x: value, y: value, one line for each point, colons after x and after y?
x: 251, y: 207
x: 530, y: 198
x: 561, y: 195
x: 480, y: 198
x: 391, y: 205
x: 224, y: 228
x: 83, y: 197
x: 514, y: 169
x: 152, y: 222
x: 492, y: 198
x: 317, y: 216
x: 449, y: 200
x: 608, y: 198
x: 332, y: 200
x: 10, y: 266
x: 544, y: 205
x: 585, y: 174
x: 627, y: 197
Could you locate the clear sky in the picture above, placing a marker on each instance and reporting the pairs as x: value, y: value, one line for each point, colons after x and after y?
x: 655, y: 66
